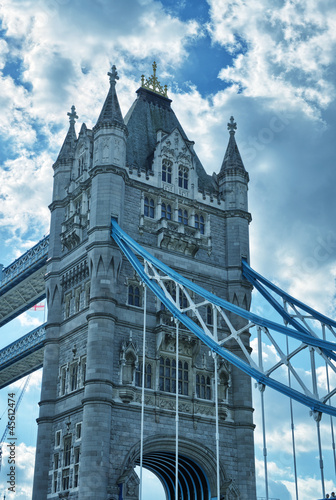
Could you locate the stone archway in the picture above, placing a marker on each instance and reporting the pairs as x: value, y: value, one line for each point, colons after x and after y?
x: 197, y: 468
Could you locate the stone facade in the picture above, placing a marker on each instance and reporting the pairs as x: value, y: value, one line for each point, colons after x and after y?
x: 142, y: 170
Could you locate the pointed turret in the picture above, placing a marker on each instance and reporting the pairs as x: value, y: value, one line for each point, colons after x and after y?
x: 111, y: 113
x: 68, y: 148
x: 232, y: 158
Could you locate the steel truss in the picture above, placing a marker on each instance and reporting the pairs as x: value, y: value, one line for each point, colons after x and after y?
x: 167, y: 284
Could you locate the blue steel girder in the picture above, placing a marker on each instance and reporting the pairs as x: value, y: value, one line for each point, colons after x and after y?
x: 21, y: 357
x: 156, y: 275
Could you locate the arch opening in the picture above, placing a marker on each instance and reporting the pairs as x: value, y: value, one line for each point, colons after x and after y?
x: 193, y: 483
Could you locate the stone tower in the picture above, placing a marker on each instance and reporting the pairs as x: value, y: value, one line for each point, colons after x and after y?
x: 143, y: 170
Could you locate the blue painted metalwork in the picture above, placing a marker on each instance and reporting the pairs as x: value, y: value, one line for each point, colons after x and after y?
x: 20, y: 348
x: 128, y: 245
x: 25, y: 265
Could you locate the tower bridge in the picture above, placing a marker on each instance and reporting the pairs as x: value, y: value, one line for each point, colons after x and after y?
x: 135, y: 306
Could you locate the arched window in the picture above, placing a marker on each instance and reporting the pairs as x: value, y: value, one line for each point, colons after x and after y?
x: 148, y: 375
x: 183, y: 175
x: 166, y: 211
x: 203, y: 386
x: 183, y: 216
x: 209, y: 316
x: 149, y: 207
x: 167, y: 171
x: 199, y: 223
x: 167, y: 376
x: 134, y: 295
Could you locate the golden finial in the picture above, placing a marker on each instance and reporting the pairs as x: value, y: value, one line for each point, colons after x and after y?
x: 153, y: 84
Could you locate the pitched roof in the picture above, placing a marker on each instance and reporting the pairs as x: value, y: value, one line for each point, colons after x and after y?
x: 69, y: 144
x: 149, y: 113
x: 111, y: 113
x: 232, y: 158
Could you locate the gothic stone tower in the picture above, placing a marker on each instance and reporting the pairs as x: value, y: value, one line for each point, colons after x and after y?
x: 143, y: 170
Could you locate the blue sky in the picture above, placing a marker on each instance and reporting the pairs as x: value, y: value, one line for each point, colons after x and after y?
x: 271, y: 67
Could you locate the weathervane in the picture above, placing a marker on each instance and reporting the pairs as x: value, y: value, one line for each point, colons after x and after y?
x: 73, y: 115
x: 113, y: 75
x: 232, y: 126
x: 153, y: 84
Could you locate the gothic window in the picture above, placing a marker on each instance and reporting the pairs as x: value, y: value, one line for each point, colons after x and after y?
x: 167, y: 376
x: 148, y: 375
x: 167, y: 171
x: 56, y: 461
x: 134, y: 295
x: 73, y: 376
x: 183, y: 216
x: 171, y: 289
x: 209, y: 315
x: 77, y: 299
x: 203, y: 386
x: 199, y: 223
x: 183, y: 175
x: 149, y: 207
x: 166, y: 211
x: 63, y: 380
x: 67, y: 451
x: 65, y: 479
x: 78, y: 205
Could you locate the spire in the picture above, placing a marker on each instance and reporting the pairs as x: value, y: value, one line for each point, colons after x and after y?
x: 232, y: 158
x: 69, y: 142
x: 111, y: 112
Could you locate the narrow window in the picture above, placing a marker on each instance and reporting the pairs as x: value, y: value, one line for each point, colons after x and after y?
x: 180, y: 215
x: 183, y: 176
x: 65, y: 479
x: 149, y: 207
x: 78, y: 431
x: 134, y: 296
x: 56, y: 461
x: 163, y: 210
x: 209, y: 316
x: 57, y: 439
x: 73, y: 376
x: 201, y: 226
x: 63, y: 380
x: 203, y: 386
x: 166, y: 171
x: 169, y: 212
x: 185, y: 217
x: 55, y: 482
x: 148, y: 375
x: 83, y: 369
x: 167, y: 376
x: 67, y: 451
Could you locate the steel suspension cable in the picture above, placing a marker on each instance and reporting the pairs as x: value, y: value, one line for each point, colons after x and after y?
x: 262, y: 390
x: 216, y: 400
x: 292, y: 429
x: 143, y: 388
x: 177, y: 395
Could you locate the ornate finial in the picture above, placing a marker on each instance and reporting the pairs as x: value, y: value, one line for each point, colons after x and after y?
x: 72, y: 116
x: 113, y: 75
x: 153, y: 84
x: 232, y: 126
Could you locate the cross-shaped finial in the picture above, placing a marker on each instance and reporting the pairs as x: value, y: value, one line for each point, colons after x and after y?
x: 232, y: 126
x: 154, y: 66
x: 113, y: 75
x: 73, y: 115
